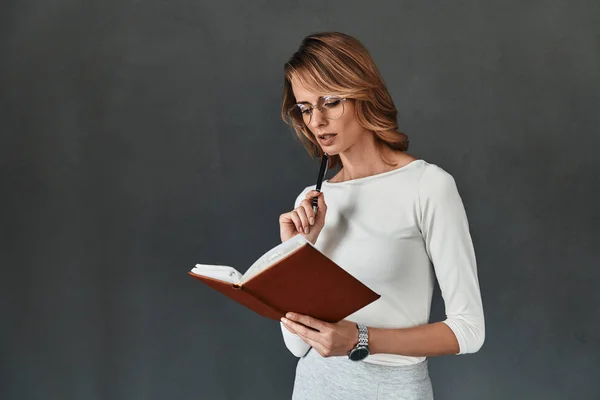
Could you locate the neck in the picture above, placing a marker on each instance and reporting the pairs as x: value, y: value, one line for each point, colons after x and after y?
x: 363, y: 159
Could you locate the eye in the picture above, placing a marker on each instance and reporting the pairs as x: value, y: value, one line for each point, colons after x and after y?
x: 332, y: 103
x: 303, y: 109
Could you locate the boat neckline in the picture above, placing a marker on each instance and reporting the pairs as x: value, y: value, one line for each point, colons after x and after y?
x: 375, y: 176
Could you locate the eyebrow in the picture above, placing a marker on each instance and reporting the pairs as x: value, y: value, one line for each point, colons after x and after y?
x: 318, y: 98
x: 308, y: 102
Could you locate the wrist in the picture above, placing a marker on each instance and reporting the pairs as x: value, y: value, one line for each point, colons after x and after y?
x: 361, y: 349
x: 353, y: 338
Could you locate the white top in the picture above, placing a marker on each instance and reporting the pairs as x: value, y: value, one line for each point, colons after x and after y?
x: 396, y: 232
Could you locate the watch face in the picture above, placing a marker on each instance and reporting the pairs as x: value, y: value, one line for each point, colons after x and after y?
x: 359, y: 353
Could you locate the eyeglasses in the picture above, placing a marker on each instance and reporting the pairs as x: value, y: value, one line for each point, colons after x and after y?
x: 332, y: 107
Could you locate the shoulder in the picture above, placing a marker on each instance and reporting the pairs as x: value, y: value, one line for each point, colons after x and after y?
x: 435, y: 181
x: 434, y: 174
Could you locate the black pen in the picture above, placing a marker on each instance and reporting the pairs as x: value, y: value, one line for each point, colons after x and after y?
x: 322, y: 172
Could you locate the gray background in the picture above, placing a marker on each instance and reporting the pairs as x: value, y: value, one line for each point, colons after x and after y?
x: 141, y: 137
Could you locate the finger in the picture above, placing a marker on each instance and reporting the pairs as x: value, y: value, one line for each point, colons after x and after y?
x: 297, y: 221
x: 301, y: 330
x: 321, y: 202
x: 320, y: 198
x: 307, y: 205
x: 286, y: 218
x: 289, y: 329
x: 307, y: 321
x: 322, y: 210
x: 311, y: 194
x: 314, y: 344
x: 303, y: 218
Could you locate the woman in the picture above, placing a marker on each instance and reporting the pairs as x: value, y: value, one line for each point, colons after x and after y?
x: 393, y: 221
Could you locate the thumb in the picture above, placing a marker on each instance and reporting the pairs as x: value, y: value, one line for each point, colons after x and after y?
x: 322, y: 207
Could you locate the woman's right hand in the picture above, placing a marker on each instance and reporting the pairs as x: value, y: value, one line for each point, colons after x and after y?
x: 302, y: 220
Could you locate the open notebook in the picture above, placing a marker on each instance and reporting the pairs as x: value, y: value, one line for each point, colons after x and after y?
x: 293, y: 276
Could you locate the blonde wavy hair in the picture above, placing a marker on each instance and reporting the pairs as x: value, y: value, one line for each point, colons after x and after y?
x: 338, y: 64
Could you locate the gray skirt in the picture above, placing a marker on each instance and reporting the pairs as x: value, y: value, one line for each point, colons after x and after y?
x: 338, y: 378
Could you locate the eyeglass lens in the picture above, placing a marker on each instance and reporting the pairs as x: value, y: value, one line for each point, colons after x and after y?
x: 331, y: 107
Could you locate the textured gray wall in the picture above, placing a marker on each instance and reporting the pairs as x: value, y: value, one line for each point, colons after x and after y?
x: 141, y: 137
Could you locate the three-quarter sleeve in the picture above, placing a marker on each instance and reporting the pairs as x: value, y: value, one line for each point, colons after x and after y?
x: 293, y: 342
x: 445, y: 230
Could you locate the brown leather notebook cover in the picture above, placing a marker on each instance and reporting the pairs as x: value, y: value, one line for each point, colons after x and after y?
x: 306, y: 282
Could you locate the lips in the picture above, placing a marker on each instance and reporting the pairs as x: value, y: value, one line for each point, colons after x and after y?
x: 326, y: 135
x: 327, y: 139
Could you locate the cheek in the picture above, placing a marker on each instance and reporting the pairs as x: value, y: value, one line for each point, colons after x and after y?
x: 350, y: 127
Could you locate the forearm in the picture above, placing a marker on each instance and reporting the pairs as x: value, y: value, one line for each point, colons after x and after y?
x: 428, y: 340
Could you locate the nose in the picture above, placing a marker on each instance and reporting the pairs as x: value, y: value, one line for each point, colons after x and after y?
x: 317, y: 119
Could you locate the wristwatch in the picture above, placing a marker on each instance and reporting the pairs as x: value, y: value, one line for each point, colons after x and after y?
x: 361, y: 350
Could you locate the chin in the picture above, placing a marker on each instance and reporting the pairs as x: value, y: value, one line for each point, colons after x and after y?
x: 332, y: 150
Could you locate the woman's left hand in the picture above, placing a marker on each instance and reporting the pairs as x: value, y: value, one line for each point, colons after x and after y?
x: 328, y: 339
